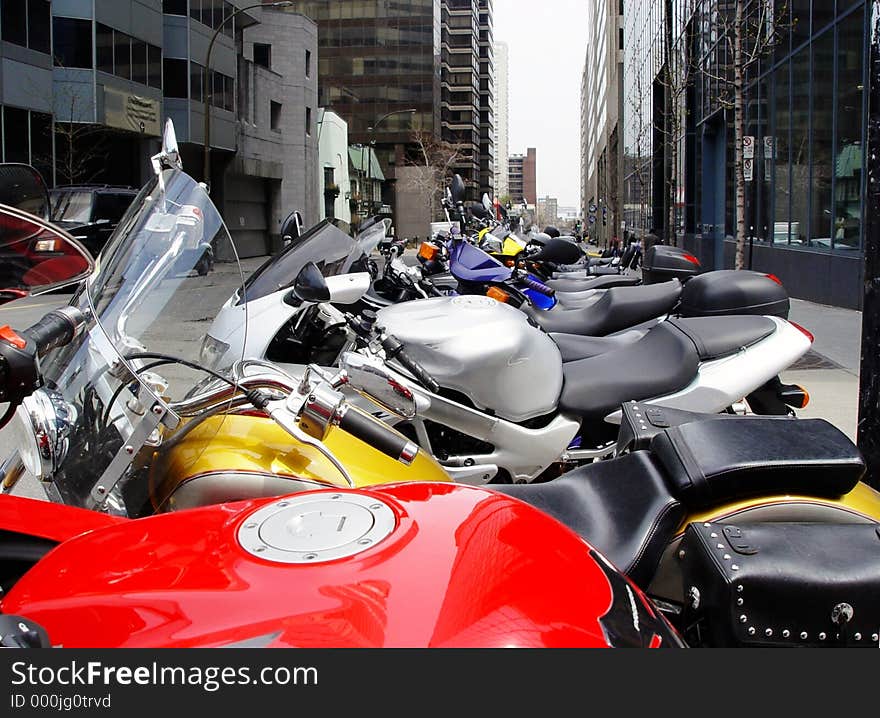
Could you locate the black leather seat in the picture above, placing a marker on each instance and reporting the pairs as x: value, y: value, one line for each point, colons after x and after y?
x: 574, y: 347
x: 664, y: 361
x: 583, y: 282
x: 619, y: 308
x: 717, y: 337
x: 710, y: 462
x: 622, y: 508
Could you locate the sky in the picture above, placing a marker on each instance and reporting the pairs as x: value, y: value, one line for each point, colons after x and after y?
x: 547, y: 51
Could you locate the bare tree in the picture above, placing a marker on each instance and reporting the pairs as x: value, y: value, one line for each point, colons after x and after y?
x: 749, y: 37
x: 81, y: 152
x: 436, y: 159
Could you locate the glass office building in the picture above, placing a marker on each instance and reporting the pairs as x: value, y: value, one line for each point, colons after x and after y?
x: 805, y: 112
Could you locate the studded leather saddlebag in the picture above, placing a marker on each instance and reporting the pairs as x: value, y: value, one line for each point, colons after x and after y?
x: 781, y: 584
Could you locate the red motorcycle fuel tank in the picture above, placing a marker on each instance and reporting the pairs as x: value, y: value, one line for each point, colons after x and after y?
x: 415, y: 565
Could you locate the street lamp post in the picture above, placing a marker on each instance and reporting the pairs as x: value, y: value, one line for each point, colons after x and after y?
x: 206, y: 96
x: 372, y: 142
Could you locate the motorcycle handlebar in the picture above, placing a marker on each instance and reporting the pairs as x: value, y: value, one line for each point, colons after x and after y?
x: 379, y: 436
x: 394, y: 349
x: 54, y: 330
x: 539, y: 287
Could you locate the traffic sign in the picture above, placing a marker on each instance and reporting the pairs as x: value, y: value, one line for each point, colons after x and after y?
x: 748, y: 147
x: 749, y: 169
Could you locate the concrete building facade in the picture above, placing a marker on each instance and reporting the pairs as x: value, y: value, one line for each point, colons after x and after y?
x: 84, y: 81
x: 601, y: 108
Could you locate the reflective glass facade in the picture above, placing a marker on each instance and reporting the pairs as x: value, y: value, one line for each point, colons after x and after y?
x: 805, y: 113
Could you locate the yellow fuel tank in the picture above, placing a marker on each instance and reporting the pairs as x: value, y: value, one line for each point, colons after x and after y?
x: 242, y: 456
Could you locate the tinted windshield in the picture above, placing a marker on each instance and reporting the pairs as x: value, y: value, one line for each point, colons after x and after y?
x: 334, y: 251
x: 71, y: 205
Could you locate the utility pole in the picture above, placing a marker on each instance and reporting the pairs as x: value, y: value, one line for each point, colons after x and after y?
x: 869, y: 396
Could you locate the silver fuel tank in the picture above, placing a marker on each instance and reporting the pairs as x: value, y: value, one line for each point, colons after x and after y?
x: 483, y: 349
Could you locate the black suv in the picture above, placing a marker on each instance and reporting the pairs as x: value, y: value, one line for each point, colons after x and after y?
x: 90, y: 212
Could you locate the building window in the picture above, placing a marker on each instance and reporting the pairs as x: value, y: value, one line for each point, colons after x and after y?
x: 38, y: 16
x: 174, y: 7
x: 263, y: 55
x: 73, y: 42
x: 275, y: 115
x: 196, y: 82
x: 122, y: 54
x: 15, y: 22
x: 308, y: 63
x: 175, y: 72
x: 16, y: 138
x: 26, y: 23
x: 308, y: 121
x: 154, y: 66
x: 104, y: 48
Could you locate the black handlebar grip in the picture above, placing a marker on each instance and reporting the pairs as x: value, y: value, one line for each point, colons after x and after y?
x: 379, y: 436
x: 538, y: 287
x: 394, y: 349
x: 54, y: 330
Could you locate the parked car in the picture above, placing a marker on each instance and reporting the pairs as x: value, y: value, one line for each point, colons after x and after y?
x: 90, y: 212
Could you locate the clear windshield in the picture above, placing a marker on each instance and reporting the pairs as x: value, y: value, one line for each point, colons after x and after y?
x: 71, y: 205
x: 163, y: 277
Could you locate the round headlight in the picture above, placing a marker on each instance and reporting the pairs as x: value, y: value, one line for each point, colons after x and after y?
x: 42, y: 427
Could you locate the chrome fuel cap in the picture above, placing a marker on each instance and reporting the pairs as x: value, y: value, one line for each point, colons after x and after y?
x: 317, y: 528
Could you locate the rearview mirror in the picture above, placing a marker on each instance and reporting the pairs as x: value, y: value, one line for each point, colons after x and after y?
x: 487, y: 202
x: 375, y: 382
x: 291, y: 228
x: 457, y: 189
x: 310, y: 285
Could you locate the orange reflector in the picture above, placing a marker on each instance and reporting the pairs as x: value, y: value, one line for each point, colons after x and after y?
x: 427, y: 251
x: 805, y: 402
x: 509, y: 263
x: 498, y: 294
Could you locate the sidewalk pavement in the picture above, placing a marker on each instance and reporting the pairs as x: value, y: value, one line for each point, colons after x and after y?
x: 830, y: 370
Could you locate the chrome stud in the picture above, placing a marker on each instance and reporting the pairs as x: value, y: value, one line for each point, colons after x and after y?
x: 743, y: 618
x: 739, y: 589
x: 734, y: 567
x: 858, y: 636
x: 713, y: 535
x: 768, y: 632
x: 875, y: 637
x: 739, y: 602
x: 751, y: 630
x: 726, y: 557
x: 822, y: 636
x: 804, y: 636
x: 719, y: 546
x: 786, y: 633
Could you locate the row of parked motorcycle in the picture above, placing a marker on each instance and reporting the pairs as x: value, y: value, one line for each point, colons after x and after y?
x: 497, y: 441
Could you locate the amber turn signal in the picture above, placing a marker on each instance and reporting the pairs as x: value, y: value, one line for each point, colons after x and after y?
x: 427, y: 251
x: 498, y: 295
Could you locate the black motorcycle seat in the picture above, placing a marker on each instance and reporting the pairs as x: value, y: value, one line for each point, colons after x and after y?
x: 623, y: 508
x: 619, y: 308
x: 717, y: 337
x: 574, y: 347
x: 581, y: 282
x: 662, y: 362
x: 709, y: 462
